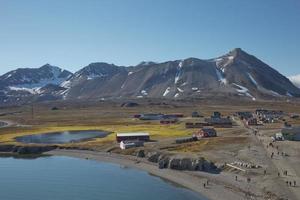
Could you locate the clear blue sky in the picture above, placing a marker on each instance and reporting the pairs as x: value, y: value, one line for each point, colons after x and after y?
x: 74, y: 33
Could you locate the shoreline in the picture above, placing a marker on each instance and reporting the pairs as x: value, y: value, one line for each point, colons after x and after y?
x: 193, y: 181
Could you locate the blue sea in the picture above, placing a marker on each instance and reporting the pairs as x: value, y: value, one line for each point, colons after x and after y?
x: 66, y: 178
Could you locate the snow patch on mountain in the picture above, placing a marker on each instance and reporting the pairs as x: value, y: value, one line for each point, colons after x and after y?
x: 244, y: 90
x: 66, y: 84
x: 176, y: 78
x: 166, y: 91
x: 180, y: 90
x: 123, y: 85
x: 41, y: 83
x: 180, y: 64
x: 221, y: 77
x: 179, y: 72
x: 222, y: 62
x: 183, y: 84
x: 36, y: 90
x: 144, y: 92
x: 252, y: 79
x: 93, y: 76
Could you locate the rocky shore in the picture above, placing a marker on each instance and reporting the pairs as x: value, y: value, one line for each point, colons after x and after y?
x: 19, y: 149
x: 163, y: 160
x: 178, y: 162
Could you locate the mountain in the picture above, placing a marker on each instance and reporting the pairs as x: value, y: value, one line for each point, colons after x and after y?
x: 24, y: 83
x: 236, y: 74
x: 94, y: 80
x: 295, y: 80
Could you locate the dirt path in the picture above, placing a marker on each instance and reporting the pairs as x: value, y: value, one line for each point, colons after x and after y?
x: 270, y: 181
x: 290, y: 163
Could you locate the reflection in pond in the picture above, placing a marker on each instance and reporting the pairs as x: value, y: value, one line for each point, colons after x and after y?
x: 61, y: 137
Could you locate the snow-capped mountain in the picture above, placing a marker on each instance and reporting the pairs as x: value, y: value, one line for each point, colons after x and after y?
x: 26, y: 82
x: 31, y: 78
x: 236, y: 74
x: 295, y: 79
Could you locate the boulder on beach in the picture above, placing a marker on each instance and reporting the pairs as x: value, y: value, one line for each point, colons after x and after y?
x: 129, y: 104
x: 140, y: 153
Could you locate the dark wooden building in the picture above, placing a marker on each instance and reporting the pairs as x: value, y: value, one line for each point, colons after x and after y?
x: 132, y: 136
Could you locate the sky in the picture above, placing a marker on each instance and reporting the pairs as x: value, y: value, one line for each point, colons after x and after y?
x: 73, y: 33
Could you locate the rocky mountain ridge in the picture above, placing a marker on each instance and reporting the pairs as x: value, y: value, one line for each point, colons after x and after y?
x: 235, y: 74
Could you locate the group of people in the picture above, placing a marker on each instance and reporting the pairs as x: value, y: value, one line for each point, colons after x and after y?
x: 205, y: 184
x: 278, y: 152
x: 290, y: 183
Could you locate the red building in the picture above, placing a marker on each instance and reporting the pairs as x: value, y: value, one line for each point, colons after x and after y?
x: 252, y: 122
x: 169, y: 121
x: 206, y: 132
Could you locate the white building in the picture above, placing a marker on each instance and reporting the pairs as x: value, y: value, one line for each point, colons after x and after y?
x: 131, y: 144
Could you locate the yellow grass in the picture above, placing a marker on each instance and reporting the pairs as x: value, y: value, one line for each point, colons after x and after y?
x: 209, y: 144
x: 154, y: 129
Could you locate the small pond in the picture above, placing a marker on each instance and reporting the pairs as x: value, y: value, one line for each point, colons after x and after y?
x: 61, y: 137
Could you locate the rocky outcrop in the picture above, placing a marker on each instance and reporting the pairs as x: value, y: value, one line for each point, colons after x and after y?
x: 129, y: 104
x: 140, y: 154
x: 163, y: 162
x: 25, y: 149
x: 6, y: 148
x: 34, y: 149
x: 153, y: 156
x: 179, y: 162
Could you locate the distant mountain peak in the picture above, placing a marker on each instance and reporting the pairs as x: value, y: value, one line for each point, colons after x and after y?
x: 238, y: 52
x: 144, y: 63
x: 48, y: 66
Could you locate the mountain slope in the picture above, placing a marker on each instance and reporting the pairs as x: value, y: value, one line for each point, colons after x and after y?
x: 236, y: 74
x: 24, y: 83
x: 259, y: 78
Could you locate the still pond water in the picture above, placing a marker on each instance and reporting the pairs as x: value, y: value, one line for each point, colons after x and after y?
x: 65, y: 178
x: 61, y: 137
